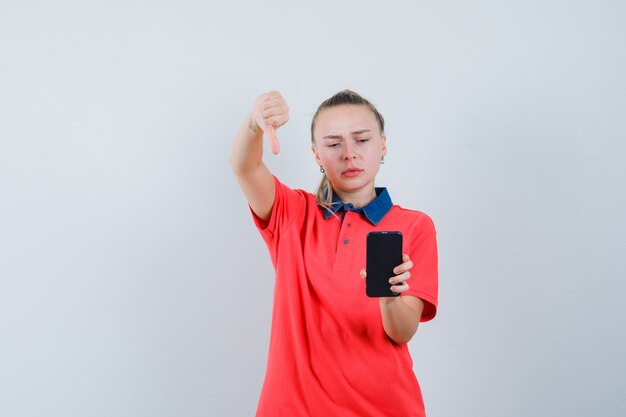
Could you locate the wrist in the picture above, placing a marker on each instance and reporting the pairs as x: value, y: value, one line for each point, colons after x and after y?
x: 388, y: 302
x: 253, y: 125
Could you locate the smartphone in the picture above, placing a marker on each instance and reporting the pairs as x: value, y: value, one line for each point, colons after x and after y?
x: 383, y: 254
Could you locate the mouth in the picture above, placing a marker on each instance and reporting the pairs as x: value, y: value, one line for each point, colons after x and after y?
x: 351, y: 172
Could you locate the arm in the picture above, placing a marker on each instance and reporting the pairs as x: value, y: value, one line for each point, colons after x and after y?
x: 400, y: 315
x: 269, y: 112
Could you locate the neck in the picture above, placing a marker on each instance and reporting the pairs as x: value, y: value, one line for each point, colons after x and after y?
x: 357, y: 198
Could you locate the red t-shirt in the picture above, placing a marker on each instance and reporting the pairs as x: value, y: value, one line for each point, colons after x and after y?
x: 329, y: 354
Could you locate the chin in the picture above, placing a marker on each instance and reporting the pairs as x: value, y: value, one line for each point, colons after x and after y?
x: 351, y: 185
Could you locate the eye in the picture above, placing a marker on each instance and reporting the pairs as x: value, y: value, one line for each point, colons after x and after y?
x: 333, y: 145
x: 362, y: 140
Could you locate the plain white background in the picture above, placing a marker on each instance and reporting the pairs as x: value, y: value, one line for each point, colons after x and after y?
x: 133, y: 282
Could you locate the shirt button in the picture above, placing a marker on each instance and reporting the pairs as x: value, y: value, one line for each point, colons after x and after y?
x: 346, y: 241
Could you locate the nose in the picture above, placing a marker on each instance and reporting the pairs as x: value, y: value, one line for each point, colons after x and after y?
x: 349, y: 152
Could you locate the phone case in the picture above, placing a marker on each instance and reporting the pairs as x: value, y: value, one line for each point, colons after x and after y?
x: 383, y: 254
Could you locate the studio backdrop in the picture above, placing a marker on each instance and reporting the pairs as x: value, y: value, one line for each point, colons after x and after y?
x: 134, y: 283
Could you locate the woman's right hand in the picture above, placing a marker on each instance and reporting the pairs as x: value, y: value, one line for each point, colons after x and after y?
x: 269, y: 112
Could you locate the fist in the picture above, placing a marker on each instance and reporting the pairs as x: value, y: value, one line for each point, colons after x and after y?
x: 269, y: 112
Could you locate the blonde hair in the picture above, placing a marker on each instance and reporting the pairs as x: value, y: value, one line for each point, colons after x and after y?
x: 324, y: 193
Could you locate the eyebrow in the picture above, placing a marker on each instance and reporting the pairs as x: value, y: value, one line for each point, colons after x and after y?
x: 356, y: 132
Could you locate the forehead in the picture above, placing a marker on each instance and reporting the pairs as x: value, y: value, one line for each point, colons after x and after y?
x: 346, y: 118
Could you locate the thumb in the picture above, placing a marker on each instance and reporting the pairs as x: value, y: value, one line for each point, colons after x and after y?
x: 271, y: 134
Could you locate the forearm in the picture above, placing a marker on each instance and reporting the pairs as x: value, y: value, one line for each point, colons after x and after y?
x: 400, y: 320
x: 247, y: 151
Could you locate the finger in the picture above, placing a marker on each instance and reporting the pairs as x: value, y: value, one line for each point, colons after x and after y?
x: 400, y: 288
x: 270, y: 102
x: 276, y: 116
x: 269, y: 111
x: 363, y: 274
x: 403, y: 267
x: 273, y: 103
x: 400, y: 278
x: 271, y: 134
x: 270, y: 95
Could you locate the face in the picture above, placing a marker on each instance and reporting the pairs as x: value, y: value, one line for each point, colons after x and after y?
x: 349, y: 146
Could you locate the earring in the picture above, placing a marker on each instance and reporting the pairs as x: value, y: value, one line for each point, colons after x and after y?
x: 322, y: 169
x: 382, y: 160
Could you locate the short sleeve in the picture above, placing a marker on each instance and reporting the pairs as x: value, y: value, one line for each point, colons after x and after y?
x: 424, y: 274
x: 289, y: 205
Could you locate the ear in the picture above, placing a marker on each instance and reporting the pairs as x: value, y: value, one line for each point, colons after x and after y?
x: 384, y: 145
x: 317, y: 156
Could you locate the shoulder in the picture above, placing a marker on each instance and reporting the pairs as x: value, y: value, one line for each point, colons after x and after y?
x: 288, y: 202
x: 410, y: 217
x: 297, y: 193
x: 290, y: 205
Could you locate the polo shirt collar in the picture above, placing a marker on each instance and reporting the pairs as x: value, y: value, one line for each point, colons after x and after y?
x: 374, y: 211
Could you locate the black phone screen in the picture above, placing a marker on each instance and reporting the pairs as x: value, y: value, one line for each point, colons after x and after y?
x: 383, y: 254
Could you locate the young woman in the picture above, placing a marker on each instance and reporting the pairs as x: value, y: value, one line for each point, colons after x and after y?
x: 333, y: 350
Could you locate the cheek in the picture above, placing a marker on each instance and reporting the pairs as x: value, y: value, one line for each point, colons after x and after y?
x: 371, y: 153
x: 323, y: 159
x: 374, y: 156
x: 327, y: 155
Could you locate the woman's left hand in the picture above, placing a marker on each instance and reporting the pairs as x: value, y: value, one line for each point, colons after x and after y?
x: 399, y: 281
x: 400, y: 315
